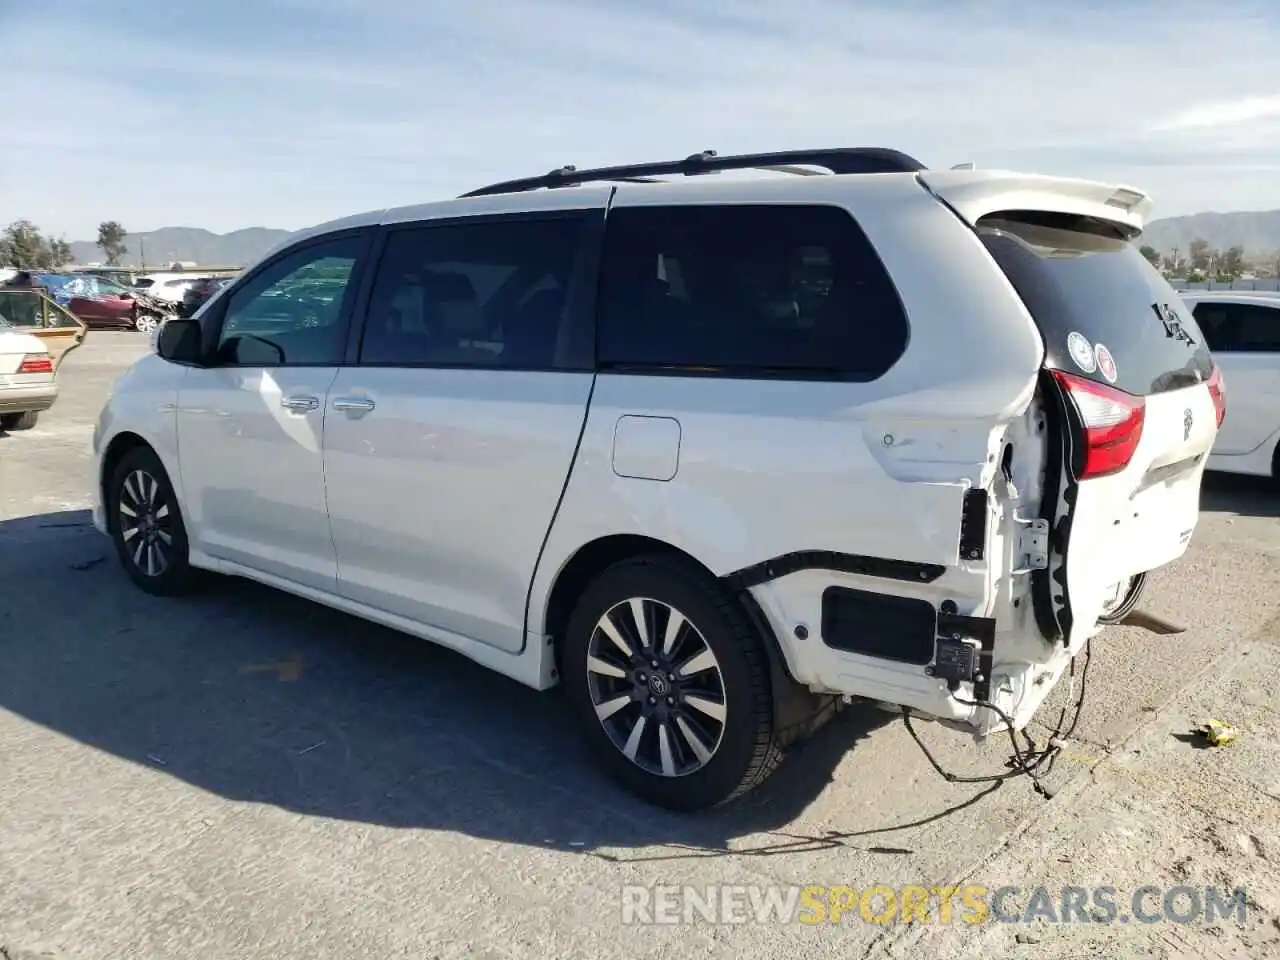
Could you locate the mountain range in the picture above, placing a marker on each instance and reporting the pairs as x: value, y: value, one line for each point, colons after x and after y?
x: 159, y: 248
x: 1257, y: 231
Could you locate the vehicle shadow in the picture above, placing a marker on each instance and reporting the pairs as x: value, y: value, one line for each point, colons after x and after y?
x: 257, y: 696
x: 1241, y: 495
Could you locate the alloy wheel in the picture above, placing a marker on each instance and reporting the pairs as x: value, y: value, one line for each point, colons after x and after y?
x: 146, y: 523
x: 657, y: 687
x: 146, y: 322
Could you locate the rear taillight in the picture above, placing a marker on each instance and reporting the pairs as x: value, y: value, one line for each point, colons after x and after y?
x: 36, y: 363
x: 1219, y: 394
x: 1112, y: 421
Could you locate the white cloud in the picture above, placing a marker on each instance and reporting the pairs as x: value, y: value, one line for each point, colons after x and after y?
x: 309, y: 110
x: 1225, y: 113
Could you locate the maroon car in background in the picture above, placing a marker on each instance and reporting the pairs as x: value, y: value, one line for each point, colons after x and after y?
x: 101, y: 303
x: 109, y: 308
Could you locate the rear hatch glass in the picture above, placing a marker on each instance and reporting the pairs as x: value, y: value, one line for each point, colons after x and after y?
x: 1105, y: 313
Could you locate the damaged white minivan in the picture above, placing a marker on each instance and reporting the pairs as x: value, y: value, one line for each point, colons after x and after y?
x: 701, y: 448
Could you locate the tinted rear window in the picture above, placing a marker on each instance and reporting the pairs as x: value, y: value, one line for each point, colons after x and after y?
x: 763, y: 290
x: 1079, y: 276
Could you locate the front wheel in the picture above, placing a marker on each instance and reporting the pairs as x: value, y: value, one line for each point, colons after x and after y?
x: 671, y: 684
x: 146, y: 322
x: 146, y: 525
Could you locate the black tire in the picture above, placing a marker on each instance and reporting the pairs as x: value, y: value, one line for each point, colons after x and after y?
x: 138, y: 482
x: 746, y: 751
x: 19, y: 421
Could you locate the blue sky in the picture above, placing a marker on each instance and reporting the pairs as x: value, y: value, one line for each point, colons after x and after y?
x: 283, y: 113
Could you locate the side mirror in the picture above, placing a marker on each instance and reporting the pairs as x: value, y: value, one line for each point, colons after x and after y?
x: 179, y: 341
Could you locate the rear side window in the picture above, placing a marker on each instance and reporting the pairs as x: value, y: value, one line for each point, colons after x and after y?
x: 1240, y: 327
x: 752, y: 290
x: 1105, y: 313
x: 483, y: 294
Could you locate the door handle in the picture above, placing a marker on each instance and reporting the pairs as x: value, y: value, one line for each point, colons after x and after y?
x: 300, y: 404
x: 354, y: 404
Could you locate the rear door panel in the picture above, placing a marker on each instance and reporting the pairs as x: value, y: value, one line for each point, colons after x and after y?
x: 1108, y: 318
x: 447, y: 447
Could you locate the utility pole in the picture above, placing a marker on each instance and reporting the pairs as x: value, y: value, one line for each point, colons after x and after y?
x: 142, y: 252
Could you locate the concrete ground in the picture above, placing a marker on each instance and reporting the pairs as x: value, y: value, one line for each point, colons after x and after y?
x: 249, y: 775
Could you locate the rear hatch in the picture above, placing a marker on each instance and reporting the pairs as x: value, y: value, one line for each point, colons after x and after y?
x: 1132, y: 395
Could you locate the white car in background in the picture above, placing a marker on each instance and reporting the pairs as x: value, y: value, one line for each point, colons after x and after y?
x: 168, y: 287
x: 27, y: 385
x: 1243, y: 331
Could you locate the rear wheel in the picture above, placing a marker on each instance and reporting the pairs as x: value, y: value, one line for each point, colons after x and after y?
x: 19, y: 421
x: 671, y: 685
x: 146, y: 525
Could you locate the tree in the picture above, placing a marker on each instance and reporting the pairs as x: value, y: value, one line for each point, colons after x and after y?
x: 1199, y: 253
x: 1152, y: 255
x: 111, y: 239
x: 59, y: 253
x: 23, y: 246
x: 1232, y: 263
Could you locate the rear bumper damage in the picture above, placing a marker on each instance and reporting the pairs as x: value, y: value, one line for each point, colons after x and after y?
x: 941, y: 664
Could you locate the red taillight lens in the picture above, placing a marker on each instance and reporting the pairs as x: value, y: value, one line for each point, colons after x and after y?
x: 1112, y: 420
x: 36, y: 363
x: 1219, y: 394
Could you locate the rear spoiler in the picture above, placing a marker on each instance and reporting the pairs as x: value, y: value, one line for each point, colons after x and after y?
x: 974, y: 194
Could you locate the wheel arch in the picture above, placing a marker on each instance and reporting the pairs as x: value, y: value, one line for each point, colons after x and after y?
x: 591, y: 558
x: 118, y: 447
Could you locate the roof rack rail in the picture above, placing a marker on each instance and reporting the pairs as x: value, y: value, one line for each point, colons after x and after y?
x: 837, y: 161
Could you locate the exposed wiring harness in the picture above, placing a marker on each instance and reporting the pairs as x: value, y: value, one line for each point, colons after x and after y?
x: 1030, y: 760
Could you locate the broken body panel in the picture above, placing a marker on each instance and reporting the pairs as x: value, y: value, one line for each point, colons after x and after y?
x: 1010, y: 545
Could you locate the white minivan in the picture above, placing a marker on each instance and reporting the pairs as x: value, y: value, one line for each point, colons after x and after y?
x: 695, y: 448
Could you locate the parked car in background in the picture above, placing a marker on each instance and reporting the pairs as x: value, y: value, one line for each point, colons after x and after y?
x: 168, y: 287
x: 117, y: 275
x: 707, y: 452
x: 27, y: 383
x: 199, y: 293
x: 1243, y: 331
x: 105, y: 304
x: 33, y: 312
